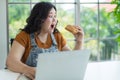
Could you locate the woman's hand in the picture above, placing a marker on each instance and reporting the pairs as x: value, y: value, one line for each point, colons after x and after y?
x: 79, y: 38
x: 30, y: 72
x: 80, y: 35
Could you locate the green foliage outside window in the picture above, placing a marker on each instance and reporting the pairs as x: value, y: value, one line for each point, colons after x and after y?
x: 17, y: 17
x: 116, y: 14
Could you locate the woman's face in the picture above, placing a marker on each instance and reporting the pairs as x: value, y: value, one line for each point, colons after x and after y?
x: 51, y: 21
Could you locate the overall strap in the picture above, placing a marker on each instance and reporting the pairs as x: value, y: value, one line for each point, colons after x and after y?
x: 53, y: 39
x: 32, y: 37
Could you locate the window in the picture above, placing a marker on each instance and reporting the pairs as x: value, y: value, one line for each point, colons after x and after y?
x: 91, y: 15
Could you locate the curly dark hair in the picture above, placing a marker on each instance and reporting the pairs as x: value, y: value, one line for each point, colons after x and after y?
x: 37, y: 16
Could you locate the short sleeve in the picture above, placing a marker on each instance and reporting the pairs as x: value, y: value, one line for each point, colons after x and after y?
x: 22, y: 38
x: 61, y: 41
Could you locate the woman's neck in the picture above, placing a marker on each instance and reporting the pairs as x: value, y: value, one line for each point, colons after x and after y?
x: 43, y: 37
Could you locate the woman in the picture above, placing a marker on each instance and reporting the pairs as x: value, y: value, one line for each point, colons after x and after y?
x: 39, y: 35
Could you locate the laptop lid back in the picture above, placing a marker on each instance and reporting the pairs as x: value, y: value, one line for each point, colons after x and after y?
x: 66, y: 65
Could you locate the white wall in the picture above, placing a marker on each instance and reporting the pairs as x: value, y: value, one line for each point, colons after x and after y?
x: 3, y: 33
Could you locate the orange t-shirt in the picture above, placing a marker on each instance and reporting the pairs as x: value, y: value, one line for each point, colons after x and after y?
x: 24, y: 39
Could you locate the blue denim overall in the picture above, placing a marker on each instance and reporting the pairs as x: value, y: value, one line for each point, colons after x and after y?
x: 33, y: 55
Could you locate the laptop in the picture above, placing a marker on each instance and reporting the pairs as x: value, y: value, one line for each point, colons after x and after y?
x: 66, y: 65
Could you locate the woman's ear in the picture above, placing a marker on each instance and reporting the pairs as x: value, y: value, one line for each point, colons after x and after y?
x: 42, y: 21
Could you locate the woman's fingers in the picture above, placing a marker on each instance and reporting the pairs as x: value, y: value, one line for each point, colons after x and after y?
x: 80, y: 35
x: 30, y: 72
x: 30, y: 76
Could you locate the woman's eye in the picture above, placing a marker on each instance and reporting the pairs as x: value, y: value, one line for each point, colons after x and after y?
x: 51, y: 16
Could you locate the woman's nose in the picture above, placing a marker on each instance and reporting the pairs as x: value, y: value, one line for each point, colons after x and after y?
x: 54, y: 19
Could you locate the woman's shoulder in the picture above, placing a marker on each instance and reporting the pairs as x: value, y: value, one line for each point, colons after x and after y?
x: 60, y: 39
x: 59, y: 36
x: 23, y: 33
x: 23, y: 38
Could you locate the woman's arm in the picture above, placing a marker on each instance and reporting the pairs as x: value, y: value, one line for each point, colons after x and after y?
x: 79, y: 39
x: 78, y: 46
x: 66, y: 48
x: 14, y: 61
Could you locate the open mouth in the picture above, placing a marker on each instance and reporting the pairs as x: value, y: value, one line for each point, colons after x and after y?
x: 52, y: 26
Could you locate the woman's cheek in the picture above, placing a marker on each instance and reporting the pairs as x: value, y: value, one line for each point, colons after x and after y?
x: 50, y: 19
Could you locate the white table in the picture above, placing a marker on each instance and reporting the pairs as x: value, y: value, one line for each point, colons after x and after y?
x: 8, y: 75
x: 108, y: 70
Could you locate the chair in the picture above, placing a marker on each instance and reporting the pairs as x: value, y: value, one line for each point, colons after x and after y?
x: 11, y: 41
